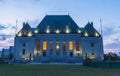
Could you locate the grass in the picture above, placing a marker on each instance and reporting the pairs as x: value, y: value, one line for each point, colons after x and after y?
x: 55, y: 70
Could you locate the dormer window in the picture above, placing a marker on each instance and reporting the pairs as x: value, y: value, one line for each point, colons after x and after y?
x: 67, y: 29
x: 24, y: 32
x: 48, y: 29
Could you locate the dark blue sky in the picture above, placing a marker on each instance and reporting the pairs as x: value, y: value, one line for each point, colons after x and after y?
x: 81, y: 11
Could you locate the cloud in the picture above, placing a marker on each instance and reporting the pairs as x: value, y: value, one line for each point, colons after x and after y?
x: 110, y: 29
x: 7, y: 30
x: 114, y: 50
x: 2, y: 27
x: 6, y: 36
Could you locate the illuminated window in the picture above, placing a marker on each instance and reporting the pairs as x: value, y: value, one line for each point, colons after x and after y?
x: 44, y: 45
x: 70, y: 45
x: 57, y: 47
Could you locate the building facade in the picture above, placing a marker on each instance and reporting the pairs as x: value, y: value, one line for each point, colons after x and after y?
x: 58, y: 39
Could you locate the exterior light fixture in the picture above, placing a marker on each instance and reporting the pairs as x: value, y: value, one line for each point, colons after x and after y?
x: 19, y: 34
x: 29, y: 34
x: 96, y: 34
x: 36, y: 31
x: 79, y: 31
x: 57, y: 31
x: 67, y: 29
x: 86, y: 34
x: 48, y: 29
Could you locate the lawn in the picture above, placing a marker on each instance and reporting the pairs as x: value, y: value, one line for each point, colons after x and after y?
x: 55, y: 70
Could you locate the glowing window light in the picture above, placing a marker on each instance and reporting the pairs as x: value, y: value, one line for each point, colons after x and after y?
x: 30, y: 34
x: 86, y: 34
x: 79, y: 31
x: 70, y: 45
x: 44, y: 45
x: 78, y: 52
x: 92, y: 57
x: 19, y: 34
x: 36, y: 31
x: 57, y: 31
x: 57, y: 46
x: 96, y: 34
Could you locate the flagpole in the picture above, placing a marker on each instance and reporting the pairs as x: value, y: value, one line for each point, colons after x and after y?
x: 101, y: 27
x: 16, y: 27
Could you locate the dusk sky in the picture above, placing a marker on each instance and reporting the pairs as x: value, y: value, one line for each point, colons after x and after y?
x: 82, y: 12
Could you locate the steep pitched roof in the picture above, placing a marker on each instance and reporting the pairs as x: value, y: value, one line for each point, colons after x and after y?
x: 25, y: 31
x: 90, y: 31
x: 58, y: 22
